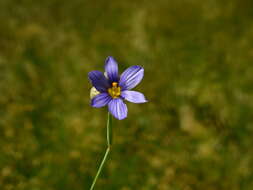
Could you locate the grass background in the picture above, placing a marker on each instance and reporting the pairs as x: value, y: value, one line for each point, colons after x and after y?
x: 194, y: 133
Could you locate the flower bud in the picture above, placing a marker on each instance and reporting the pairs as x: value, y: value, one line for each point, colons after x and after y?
x: 93, y: 92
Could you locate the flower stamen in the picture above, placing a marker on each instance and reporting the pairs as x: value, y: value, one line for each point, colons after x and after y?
x: 115, y: 90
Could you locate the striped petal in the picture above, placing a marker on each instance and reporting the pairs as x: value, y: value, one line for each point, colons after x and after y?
x: 131, y: 77
x: 118, y: 108
x: 133, y: 96
x: 111, y: 69
x: 100, y: 100
x: 99, y: 81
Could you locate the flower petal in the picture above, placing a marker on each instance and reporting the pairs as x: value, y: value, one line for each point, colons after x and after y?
x: 100, y: 100
x: 133, y: 96
x: 111, y: 69
x: 99, y: 81
x: 131, y: 77
x: 118, y: 108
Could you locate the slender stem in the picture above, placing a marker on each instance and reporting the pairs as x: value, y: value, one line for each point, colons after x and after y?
x: 109, y: 130
x: 109, y: 143
x: 100, y: 168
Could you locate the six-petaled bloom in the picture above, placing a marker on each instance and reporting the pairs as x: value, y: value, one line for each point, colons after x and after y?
x: 112, y: 89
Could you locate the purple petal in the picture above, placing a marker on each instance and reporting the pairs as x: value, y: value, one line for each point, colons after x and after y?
x: 100, y: 100
x: 99, y: 81
x: 133, y: 96
x: 111, y: 68
x: 131, y: 77
x: 118, y: 108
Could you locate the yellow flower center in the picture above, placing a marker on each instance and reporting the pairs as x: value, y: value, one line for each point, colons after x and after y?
x: 114, y: 91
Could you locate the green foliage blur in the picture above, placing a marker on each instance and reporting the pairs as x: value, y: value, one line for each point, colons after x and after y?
x: 196, y: 131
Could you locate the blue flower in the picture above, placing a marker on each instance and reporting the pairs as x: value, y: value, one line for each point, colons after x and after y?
x: 113, y: 89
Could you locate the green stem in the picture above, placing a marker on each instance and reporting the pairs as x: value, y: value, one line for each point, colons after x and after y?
x: 109, y: 143
x: 109, y: 130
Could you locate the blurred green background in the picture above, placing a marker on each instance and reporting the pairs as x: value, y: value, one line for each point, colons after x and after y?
x: 196, y: 131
